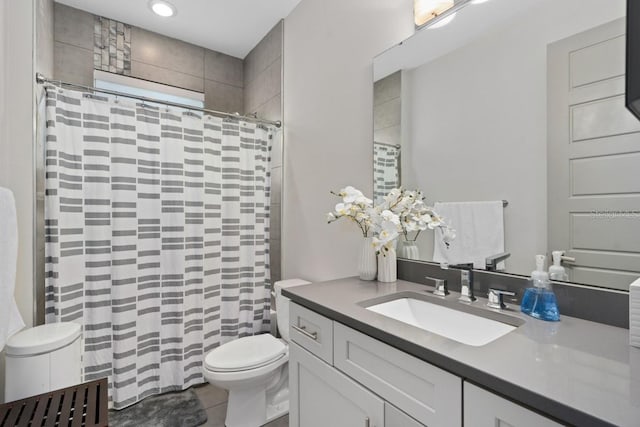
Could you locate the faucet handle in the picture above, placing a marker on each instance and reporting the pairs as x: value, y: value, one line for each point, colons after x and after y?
x: 441, y: 286
x: 496, y: 298
x: 466, y: 287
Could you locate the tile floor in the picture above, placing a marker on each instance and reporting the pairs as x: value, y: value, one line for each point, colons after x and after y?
x: 214, y: 400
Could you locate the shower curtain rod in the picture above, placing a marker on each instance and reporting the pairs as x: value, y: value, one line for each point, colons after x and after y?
x: 387, y: 144
x: 41, y: 79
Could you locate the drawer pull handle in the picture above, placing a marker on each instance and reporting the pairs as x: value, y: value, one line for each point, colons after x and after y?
x: 366, y: 422
x: 303, y: 331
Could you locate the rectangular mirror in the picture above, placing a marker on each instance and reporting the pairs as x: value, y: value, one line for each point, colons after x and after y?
x: 521, y: 101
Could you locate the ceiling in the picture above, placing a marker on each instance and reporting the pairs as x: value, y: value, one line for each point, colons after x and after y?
x: 233, y: 27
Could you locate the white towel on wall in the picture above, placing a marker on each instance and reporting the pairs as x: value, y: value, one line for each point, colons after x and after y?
x: 10, y: 319
x: 479, y: 232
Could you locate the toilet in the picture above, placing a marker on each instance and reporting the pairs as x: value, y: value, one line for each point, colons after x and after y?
x: 255, y: 370
x: 42, y: 359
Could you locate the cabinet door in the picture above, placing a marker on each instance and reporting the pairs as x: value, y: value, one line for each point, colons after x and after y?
x: 321, y: 396
x: 425, y: 392
x: 485, y: 409
x: 393, y: 417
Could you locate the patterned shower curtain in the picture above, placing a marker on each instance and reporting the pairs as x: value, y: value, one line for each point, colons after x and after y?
x: 157, y: 231
x: 386, y: 170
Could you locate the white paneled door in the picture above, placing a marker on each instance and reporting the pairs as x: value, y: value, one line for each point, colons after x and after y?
x: 593, y: 159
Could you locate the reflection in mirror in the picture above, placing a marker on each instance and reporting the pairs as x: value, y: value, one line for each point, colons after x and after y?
x: 386, y: 135
x: 521, y: 101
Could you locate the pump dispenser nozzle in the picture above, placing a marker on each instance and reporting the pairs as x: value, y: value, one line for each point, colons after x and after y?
x: 539, y: 276
x: 557, y: 271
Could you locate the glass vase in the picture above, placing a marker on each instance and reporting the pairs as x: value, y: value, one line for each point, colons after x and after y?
x: 387, y: 266
x: 367, y: 266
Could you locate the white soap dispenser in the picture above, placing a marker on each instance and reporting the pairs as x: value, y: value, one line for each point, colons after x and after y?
x: 557, y: 271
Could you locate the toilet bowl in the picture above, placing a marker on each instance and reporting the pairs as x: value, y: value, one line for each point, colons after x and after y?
x: 255, y: 370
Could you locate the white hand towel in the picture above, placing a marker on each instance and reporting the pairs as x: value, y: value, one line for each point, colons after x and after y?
x: 634, y: 314
x: 479, y: 232
x: 10, y: 320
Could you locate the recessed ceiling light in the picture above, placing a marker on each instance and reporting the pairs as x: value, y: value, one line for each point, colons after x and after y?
x: 162, y: 8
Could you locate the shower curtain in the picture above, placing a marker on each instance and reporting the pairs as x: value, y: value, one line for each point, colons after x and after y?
x: 157, y: 231
x: 386, y: 167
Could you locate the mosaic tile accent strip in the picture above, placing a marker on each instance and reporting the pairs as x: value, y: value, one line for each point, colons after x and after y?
x: 112, y: 46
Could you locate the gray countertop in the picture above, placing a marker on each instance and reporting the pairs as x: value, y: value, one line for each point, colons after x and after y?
x: 574, y: 371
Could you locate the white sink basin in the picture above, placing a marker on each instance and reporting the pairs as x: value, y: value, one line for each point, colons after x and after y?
x: 453, y: 324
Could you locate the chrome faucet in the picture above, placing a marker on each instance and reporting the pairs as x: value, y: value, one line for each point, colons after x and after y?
x: 491, y: 262
x: 496, y: 298
x: 466, y: 287
x: 441, y: 286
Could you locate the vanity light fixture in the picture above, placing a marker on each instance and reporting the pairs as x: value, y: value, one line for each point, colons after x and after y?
x: 444, y: 21
x: 426, y: 10
x: 162, y: 8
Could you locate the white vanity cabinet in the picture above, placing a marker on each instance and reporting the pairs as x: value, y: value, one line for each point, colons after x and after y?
x: 485, y: 409
x: 341, y: 377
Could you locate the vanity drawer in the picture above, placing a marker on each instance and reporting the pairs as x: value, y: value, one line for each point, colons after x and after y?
x: 427, y: 393
x: 311, y: 331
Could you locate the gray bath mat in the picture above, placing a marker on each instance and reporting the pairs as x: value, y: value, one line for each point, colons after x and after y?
x: 182, y: 409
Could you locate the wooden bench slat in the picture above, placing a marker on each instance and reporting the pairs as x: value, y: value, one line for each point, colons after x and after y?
x: 83, y: 405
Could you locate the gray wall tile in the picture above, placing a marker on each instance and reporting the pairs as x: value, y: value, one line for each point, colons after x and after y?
x: 166, y: 76
x: 73, y: 64
x: 387, y: 114
x: 267, y: 85
x: 223, y: 68
x: 276, y: 150
x: 275, y: 253
x: 388, y: 88
x: 264, y: 53
x: 276, y: 220
x: 390, y: 135
x: 270, y: 110
x: 222, y: 97
x: 161, y: 51
x: 73, y: 26
x: 276, y: 185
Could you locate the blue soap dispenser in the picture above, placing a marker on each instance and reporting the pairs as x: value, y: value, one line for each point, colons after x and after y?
x: 539, y: 301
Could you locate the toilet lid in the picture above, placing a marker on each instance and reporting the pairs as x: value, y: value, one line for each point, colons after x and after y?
x: 42, y: 339
x: 245, y: 353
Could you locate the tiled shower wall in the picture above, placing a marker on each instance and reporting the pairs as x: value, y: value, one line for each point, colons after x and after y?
x: 263, y: 95
x: 153, y: 57
x: 386, y: 109
x: 229, y: 84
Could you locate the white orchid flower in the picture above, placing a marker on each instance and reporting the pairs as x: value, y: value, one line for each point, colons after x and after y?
x: 350, y: 194
x: 388, y: 231
x: 435, y: 222
x: 389, y: 216
x: 343, y: 208
x: 448, y: 235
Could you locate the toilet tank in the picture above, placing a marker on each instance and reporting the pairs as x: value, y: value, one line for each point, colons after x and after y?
x: 42, y: 359
x: 282, y: 304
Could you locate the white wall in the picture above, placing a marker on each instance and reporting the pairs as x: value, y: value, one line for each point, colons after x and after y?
x: 328, y: 101
x: 16, y: 138
x: 16, y: 144
x: 479, y: 128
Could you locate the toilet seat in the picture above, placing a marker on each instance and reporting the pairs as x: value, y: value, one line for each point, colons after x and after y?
x: 245, y: 354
